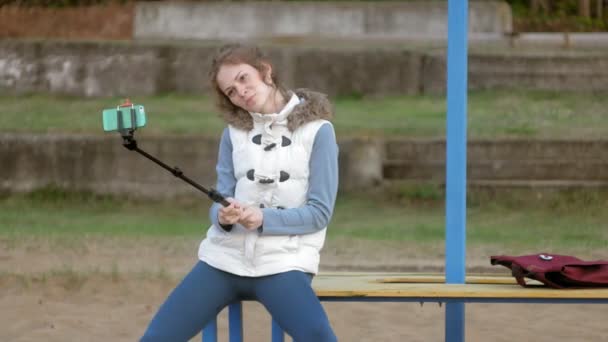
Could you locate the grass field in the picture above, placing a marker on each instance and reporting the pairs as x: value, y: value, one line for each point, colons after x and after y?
x: 491, y: 114
x: 574, y: 221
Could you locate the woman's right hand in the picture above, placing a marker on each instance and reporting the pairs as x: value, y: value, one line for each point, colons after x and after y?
x: 230, y: 214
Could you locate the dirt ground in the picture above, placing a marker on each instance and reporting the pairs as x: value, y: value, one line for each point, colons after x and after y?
x: 100, y: 289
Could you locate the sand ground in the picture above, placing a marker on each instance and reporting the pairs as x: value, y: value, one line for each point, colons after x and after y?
x: 108, y: 289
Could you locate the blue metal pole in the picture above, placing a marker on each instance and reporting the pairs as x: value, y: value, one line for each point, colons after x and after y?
x: 235, y: 322
x: 456, y: 163
x: 210, y: 332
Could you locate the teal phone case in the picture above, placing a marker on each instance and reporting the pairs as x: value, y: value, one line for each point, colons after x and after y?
x: 111, y: 122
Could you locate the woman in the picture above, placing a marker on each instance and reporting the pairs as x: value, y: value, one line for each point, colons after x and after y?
x: 278, y: 167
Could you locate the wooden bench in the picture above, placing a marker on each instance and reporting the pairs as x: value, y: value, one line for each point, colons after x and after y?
x: 432, y: 287
x: 420, y: 287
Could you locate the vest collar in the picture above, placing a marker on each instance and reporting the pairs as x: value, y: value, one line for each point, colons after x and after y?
x: 279, y: 118
x: 312, y: 106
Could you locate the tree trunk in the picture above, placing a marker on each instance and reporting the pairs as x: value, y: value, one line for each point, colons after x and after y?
x: 539, y: 6
x: 584, y: 8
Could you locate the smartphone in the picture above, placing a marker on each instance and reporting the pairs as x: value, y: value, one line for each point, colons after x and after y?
x: 124, y: 118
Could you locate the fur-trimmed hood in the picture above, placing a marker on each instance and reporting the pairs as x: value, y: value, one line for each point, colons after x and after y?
x: 313, y: 106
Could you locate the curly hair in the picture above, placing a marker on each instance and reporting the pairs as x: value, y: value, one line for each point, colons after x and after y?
x: 233, y: 54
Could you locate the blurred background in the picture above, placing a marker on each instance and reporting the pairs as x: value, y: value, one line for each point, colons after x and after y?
x: 85, y: 223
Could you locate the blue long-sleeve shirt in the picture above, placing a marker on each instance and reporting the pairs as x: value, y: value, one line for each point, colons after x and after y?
x: 322, y: 190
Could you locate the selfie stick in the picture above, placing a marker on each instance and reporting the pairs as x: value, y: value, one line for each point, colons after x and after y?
x: 130, y: 143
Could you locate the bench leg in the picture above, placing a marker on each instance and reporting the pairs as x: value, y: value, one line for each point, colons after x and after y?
x: 235, y: 322
x: 210, y: 331
x: 235, y: 325
x: 277, y: 332
x: 454, y: 322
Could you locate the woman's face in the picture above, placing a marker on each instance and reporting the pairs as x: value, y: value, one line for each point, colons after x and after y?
x: 245, y: 87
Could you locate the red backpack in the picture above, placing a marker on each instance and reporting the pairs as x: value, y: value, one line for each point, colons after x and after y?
x: 557, y: 271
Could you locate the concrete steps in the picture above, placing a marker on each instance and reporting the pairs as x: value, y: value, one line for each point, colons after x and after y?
x: 503, y: 170
x: 516, y: 191
x: 500, y: 149
x: 101, y: 164
x: 538, y: 184
x: 503, y: 163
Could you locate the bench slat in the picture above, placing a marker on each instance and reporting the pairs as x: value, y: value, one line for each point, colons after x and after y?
x: 408, y: 285
x: 419, y: 277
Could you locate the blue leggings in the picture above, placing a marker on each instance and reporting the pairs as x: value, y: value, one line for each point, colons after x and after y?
x: 205, y: 291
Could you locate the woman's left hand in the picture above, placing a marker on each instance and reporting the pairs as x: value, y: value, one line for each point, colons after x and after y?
x: 252, y: 218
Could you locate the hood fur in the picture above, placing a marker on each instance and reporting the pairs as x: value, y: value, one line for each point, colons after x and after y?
x: 313, y: 106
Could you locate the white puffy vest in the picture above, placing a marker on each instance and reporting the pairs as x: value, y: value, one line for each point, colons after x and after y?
x: 271, y: 167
